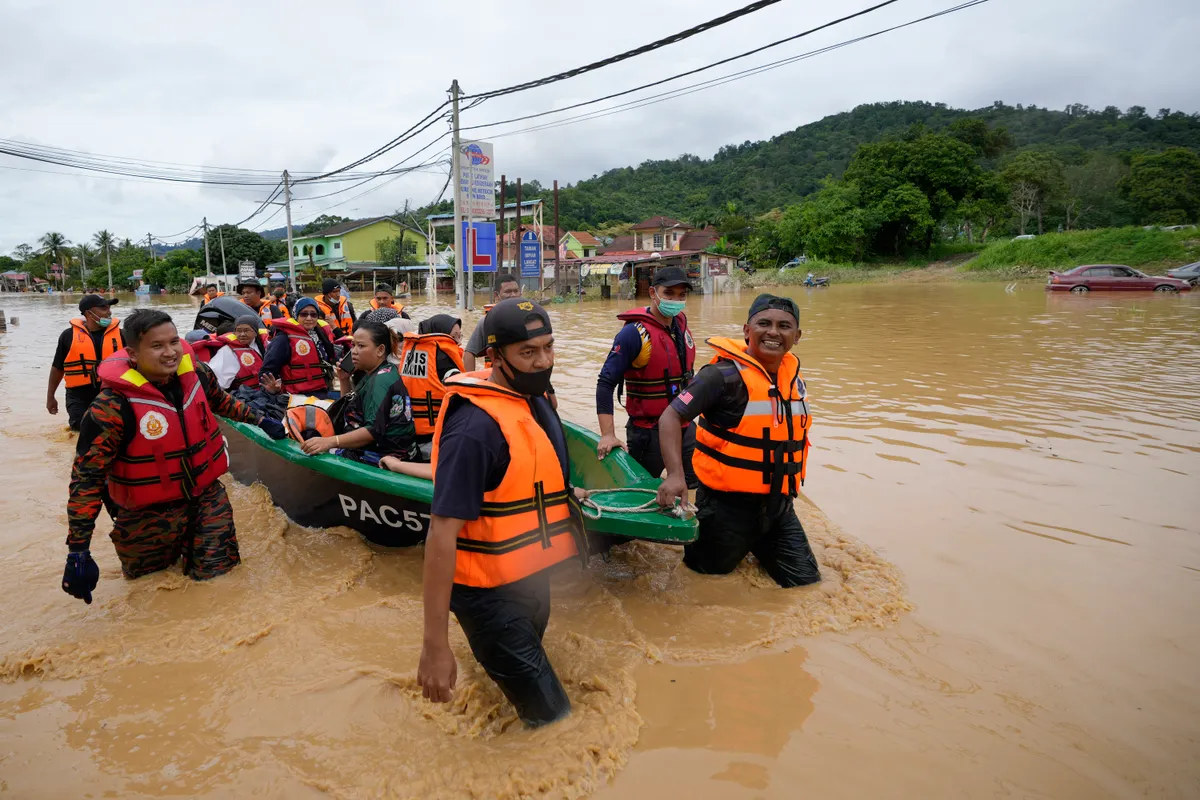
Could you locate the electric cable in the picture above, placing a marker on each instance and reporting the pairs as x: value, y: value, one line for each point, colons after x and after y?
x: 628, y: 54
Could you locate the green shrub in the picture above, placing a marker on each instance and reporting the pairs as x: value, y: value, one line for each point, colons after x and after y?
x: 1133, y: 246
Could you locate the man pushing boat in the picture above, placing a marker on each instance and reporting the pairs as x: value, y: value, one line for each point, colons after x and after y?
x: 501, y: 518
x: 751, y: 445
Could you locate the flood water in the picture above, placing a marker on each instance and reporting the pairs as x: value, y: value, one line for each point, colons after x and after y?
x: 1002, y: 496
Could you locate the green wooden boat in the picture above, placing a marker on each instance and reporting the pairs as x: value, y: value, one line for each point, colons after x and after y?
x: 392, y: 510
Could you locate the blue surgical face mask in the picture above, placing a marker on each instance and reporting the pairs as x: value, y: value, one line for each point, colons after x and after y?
x: 669, y: 308
x: 103, y: 321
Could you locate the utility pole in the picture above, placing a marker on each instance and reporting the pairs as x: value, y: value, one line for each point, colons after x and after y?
x: 108, y: 256
x: 82, y: 267
x: 207, y: 264
x: 455, y: 165
x: 500, y: 225
x: 287, y: 205
x: 150, y: 247
x: 221, y: 239
x: 558, y: 287
x: 517, y: 229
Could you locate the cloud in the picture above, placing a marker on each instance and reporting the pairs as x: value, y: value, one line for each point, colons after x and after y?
x: 308, y: 86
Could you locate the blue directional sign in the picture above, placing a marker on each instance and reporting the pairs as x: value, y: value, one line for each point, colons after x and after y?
x: 531, y: 255
x: 479, y: 240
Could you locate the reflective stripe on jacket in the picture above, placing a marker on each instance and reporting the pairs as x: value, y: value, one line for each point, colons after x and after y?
x: 303, y: 373
x: 79, y: 367
x: 341, y: 315
x: 170, y: 456
x: 770, y: 442
x: 525, y: 523
x: 418, y: 370
x: 651, y: 388
x: 250, y: 361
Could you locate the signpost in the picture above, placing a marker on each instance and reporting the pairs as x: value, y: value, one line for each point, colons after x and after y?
x: 476, y: 180
x: 246, y: 271
x: 531, y: 255
x: 479, y: 240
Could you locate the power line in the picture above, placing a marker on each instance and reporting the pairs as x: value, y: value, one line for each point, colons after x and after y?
x: 420, y: 127
x: 628, y: 54
x: 693, y: 88
x: 690, y: 72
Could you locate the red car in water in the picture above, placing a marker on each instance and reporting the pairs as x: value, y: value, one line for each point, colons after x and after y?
x: 1111, y: 278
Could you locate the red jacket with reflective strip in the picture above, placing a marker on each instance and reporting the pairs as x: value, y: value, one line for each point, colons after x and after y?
x: 173, y: 453
x: 303, y: 373
x: 650, y: 389
x: 250, y: 361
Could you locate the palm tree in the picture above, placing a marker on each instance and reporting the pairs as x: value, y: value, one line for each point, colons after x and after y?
x: 104, y: 241
x: 54, y: 244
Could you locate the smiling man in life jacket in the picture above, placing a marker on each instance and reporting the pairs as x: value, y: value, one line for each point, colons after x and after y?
x: 337, y: 310
x: 152, y: 441
x: 501, y: 518
x: 751, y: 446
x: 211, y: 293
x: 507, y: 286
x: 252, y: 294
x: 92, y: 337
x: 385, y: 298
x: 653, y: 357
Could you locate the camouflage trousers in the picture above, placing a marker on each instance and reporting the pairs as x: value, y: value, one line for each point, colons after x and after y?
x: 201, y: 533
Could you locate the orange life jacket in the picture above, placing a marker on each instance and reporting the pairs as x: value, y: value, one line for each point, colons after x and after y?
x: 208, y: 298
x: 303, y: 373
x: 272, y: 310
x: 525, y: 523
x: 418, y: 370
x: 398, y: 306
x: 79, y: 367
x: 250, y: 361
x: 341, y: 314
x: 769, y: 443
x: 170, y: 456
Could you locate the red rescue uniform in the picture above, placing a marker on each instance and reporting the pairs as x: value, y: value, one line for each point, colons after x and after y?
x: 650, y: 388
x: 174, y: 453
x: 766, y: 451
x: 303, y: 373
x: 525, y: 523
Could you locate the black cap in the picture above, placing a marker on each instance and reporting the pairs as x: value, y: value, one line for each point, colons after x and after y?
x: 766, y: 302
x: 90, y: 301
x: 506, y: 322
x: 671, y: 276
x: 328, y: 285
x: 255, y: 282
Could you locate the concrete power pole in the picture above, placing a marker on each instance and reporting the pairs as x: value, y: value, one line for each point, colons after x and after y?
x: 287, y: 205
x: 221, y: 239
x: 150, y: 247
x: 83, y: 267
x: 455, y: 166
x: 207, y: 263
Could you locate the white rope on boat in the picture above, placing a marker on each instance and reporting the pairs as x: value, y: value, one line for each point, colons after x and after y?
x: 589, y: 504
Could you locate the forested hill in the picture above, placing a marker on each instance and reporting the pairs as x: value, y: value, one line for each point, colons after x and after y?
x: 759, y: 176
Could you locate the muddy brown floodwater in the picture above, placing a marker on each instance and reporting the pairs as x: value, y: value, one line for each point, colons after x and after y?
x: 1002, y: 496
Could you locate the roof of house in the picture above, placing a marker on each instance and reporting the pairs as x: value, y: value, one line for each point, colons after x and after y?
x: 351, y: 225
x: 699, y: 240
x: 584, y: 238
x: 547, y: 235
x: 619, y: 245
x: 654, y: 223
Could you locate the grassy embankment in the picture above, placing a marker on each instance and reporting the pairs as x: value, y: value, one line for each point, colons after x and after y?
x: 1152, y: 251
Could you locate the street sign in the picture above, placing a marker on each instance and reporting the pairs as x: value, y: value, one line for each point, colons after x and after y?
x: 246, y: 270
x: 476, y: 180
x: 531, y: 255
x: 480, y: 243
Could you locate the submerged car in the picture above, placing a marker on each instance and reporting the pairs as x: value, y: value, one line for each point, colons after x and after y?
x: 1111, y: 278
x: 1188, y: 272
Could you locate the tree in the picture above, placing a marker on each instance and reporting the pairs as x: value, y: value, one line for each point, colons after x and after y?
x: 322, y: 222
x: 830, y: 225
x: 1092, y: 191
x: 1035, y: 180
x: 242, y: 245
x: 987, y: 142
x: 980, y: 210
x: 54, y: 247
x: 1164, y: 188
x: 23, y: 253
x: 398, y: 251
x: 104, y: 241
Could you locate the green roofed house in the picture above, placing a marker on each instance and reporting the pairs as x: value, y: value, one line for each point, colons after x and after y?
x: 359, y: 247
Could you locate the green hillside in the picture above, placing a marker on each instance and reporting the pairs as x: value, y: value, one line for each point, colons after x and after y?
x: 759, y: 176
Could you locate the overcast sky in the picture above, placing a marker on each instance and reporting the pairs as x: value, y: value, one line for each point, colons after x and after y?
x: 309, y: 86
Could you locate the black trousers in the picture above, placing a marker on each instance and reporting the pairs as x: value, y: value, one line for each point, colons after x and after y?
x: 733, y: 524
x: 78, y: 400
x: 644, y: 447
x: 504, y: 627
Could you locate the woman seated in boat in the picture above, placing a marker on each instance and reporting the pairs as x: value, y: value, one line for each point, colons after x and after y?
x: 378, y: 419
x: 299, y: 358
x: 427, y: 358
x: 240, y: 357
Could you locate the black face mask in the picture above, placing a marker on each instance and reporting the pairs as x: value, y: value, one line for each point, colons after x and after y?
x: 532, y: 384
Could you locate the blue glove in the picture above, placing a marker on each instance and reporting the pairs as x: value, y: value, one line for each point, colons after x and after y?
x: 273, y: 428
x: 80, y: 576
